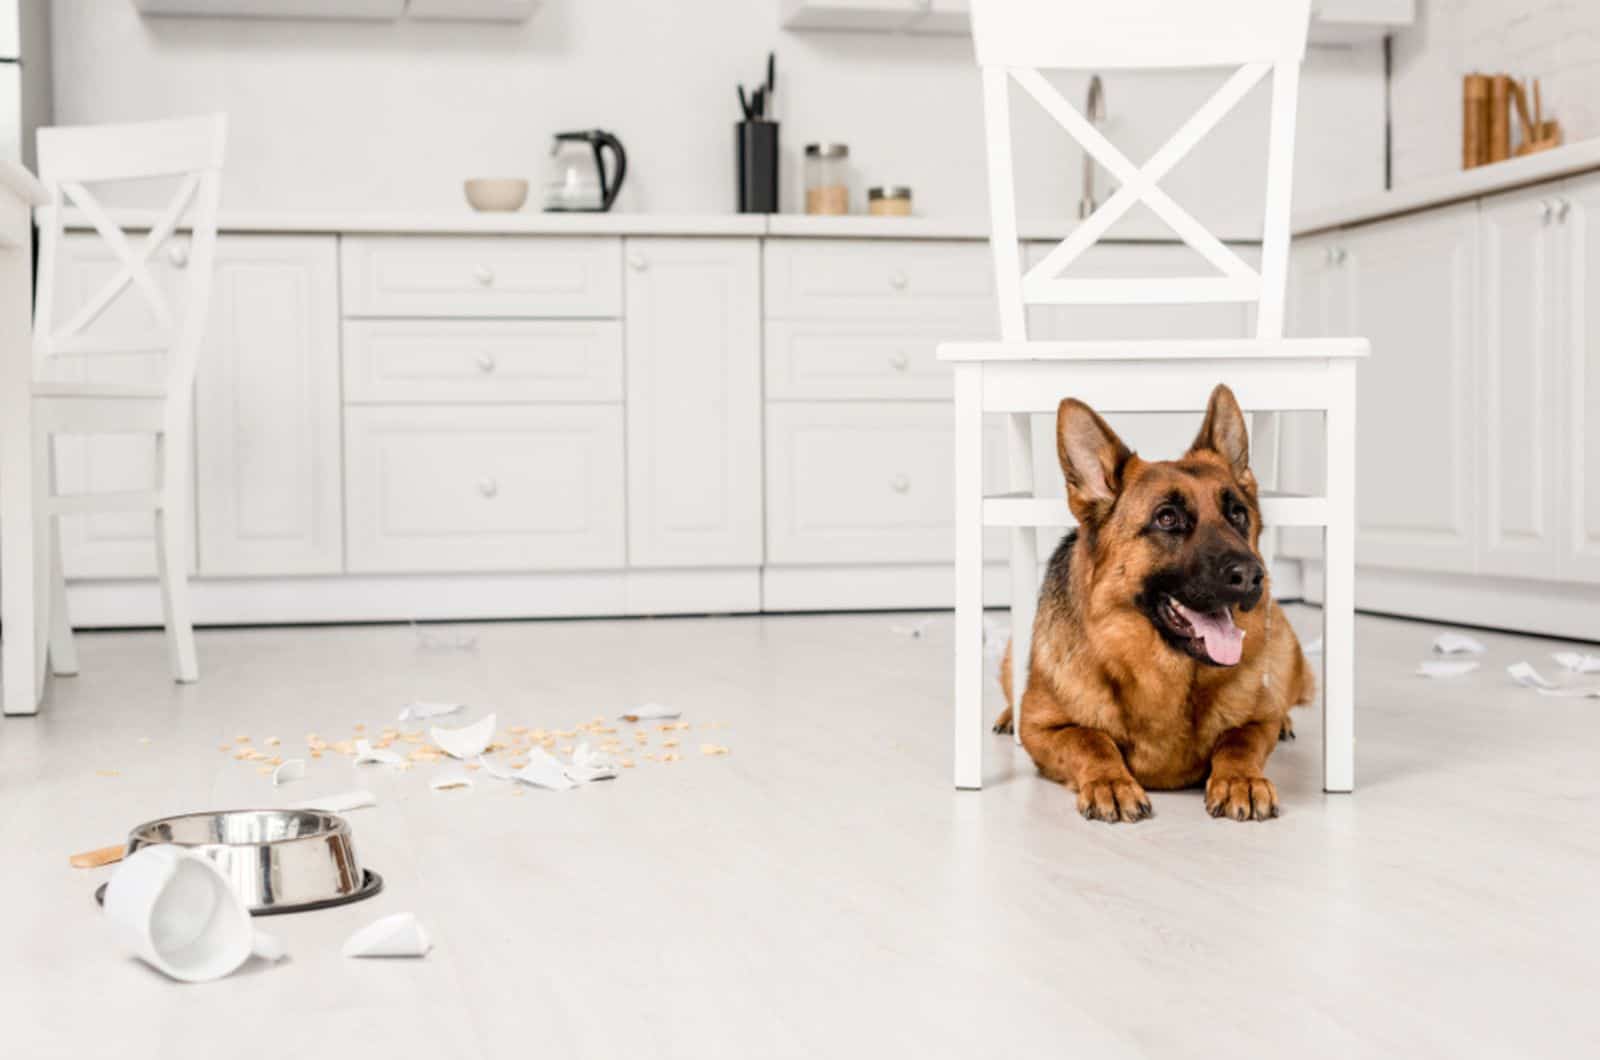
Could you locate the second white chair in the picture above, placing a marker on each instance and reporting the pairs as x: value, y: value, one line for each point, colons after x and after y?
x: 74, y: 164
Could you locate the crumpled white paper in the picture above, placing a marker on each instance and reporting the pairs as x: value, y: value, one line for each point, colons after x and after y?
x: 291, y: 769
x: 1577, y: 662
x: 339, y: 802
x: 1525, y: 675
x: 366, y: 754
x: 467, y: 742
x: 419, y: 710
x: 397, y: 935
x: 1457, y: 644
x: 649, y: 712
x: 1446, y: 667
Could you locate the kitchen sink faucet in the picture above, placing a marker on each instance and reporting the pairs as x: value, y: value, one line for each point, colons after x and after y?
x: 1094, y: 108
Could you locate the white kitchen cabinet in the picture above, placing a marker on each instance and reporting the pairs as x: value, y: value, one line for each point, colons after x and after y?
x: 484, y: 488
x: 906, y: 16
x: 119, y: 544
x: 268, y: 488
x: 1411, y: 287
x: 1578, y: 380
x: 693, y: 350
x: 1519, y: 378
x: 481, y: 276
x: 880, y: 279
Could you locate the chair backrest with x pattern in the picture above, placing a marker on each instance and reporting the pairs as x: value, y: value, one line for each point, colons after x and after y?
x: 74, y: 158
x: 1016, y: 40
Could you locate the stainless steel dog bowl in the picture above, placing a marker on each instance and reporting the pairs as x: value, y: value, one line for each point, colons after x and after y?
x: 278, y: 861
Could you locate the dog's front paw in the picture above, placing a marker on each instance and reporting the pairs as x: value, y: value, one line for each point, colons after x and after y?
x: 1241, y: 798
x: 1286, y: 729
x: 1003, y: 722
x: 1118, y: 799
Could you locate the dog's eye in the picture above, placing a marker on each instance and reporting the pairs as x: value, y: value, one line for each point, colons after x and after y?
x: 1167, y: 519
x: 1240, y: 516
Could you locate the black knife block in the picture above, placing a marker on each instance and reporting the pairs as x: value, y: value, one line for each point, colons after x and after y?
x: 758, y: 166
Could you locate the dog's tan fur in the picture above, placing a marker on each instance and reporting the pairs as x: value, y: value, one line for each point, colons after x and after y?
x: 1111, y: 708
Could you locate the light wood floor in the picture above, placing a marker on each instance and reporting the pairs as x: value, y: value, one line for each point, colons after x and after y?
x: 822, y: 891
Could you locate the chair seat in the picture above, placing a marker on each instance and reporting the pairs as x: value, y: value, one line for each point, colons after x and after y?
x: 52, y: 389
x: 1021, y: 509
x: 1157, y: 350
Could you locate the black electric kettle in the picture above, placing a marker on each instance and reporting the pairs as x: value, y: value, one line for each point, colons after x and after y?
x: 578, y: 179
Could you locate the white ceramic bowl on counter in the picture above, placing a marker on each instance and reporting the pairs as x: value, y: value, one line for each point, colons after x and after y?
x: 496, y: 194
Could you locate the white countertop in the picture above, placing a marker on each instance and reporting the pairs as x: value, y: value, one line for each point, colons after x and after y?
x: 1455, y: 187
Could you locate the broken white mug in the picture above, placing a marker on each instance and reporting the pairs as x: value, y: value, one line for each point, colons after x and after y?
x: 176, y: 912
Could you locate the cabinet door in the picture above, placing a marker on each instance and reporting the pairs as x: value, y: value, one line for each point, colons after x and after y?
x: 693, y: 352
x: 1413, y: 285
x: 1579, y: 449
x: 119, y: 544
x: 1518, y: 434
x: 267, y: 410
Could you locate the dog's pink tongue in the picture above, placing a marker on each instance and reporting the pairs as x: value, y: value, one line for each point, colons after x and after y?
x: 1224, y: 640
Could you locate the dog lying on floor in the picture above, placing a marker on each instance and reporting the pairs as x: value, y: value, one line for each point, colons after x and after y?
x: 1159, y: 657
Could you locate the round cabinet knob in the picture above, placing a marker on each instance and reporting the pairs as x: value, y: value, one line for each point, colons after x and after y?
x: 178, y: 254
x: 1546, y: 208
x: 486, y: 362
x: 483, y: 274
x: 488, y: 487
x: 637, y: 262
x: 898, y: 281
x: 1563, y: 207
x: 899, y: 361
x: 900, y: 484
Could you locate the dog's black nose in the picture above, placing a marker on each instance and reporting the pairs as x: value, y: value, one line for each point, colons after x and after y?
x: 1241, y: 574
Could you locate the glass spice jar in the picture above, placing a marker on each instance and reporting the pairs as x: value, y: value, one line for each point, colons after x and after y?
x: 827, y: 182
x: 890, y: 200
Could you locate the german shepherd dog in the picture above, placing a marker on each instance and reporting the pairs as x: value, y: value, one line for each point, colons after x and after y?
x: 1159, y: 657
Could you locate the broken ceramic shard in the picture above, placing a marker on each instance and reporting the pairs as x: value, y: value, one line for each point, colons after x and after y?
x: 1526, y: 676
x: 366, y: 754
x: 467, y: 742
x: 420, y: 709
x: 588, y: 765
x: 339, y: 802
x: 650, y: 712
x: 293, y: 769
x: 1577, y: 662
x: 398, y: 935
x: 1446, y: 667
x: 1457, y: 644
x: 542, y: 770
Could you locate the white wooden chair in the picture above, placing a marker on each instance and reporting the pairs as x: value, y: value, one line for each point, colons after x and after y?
x: 1016, y: 40
x: 74, y: 162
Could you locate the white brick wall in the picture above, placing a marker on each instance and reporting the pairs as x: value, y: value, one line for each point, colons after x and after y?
x: 1557, y: 41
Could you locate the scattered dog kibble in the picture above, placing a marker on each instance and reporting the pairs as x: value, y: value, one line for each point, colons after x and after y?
x: 241, y: 739
x: 713, y: 749
x: 273, y: 741
x: 106, y: 773
x: 224, y: 746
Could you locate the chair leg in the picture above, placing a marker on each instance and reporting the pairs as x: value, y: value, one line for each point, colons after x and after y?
x: 1338, y: 609
x: 172, y: 550
x: 43, y: 524
x: 1024, y: 565
x: 1266, y: 454
x: 63, y: 652
x: 969, y: 577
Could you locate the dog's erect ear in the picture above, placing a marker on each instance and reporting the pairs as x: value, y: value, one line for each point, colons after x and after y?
x: 1093, y: 459
x: 1225, y: 434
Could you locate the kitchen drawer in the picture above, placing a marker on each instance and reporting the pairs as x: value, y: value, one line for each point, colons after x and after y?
x: 482, y: 360
x: 835, y: 279
x: 867, y: 483
x: 481, y: 276
x: 829, y: 360
x: 455, y: 488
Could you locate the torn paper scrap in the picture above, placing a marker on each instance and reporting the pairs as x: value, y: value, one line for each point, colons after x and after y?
x: 914, y: 630
x: 1457, y: 644
x: 450, y: 781
x: 293, y: 769
x: 366, y: 754
x: 467, y: 742
x: 588, y: 765
x: 542, y: 770
x: 418, y: 710
x: 1526, y: 676
x: 1577, y: 662
x: 397, y: 935
x: 338, y: 802
x: 650, y: 712
x: 1446, y: 667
